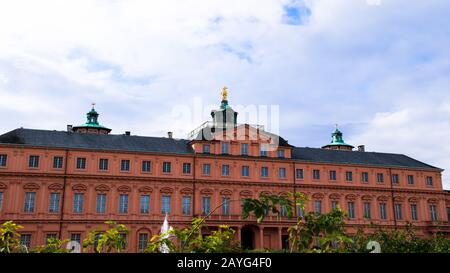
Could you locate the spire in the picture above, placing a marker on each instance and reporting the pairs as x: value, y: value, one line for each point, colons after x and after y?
x: 225, y: 117
x: 92, y: 125
x: 224, y: 103
x: 337, y: 141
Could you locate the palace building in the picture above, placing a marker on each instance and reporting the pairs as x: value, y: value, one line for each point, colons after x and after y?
x: 66, y: 183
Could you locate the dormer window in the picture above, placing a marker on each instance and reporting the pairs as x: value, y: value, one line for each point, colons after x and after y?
x: 225, y: 148
x: 263, y: 150
x: 280, y: 153
x: 206, y: 148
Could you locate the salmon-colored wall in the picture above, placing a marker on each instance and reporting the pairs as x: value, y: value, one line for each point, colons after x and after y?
x: 17, y: 178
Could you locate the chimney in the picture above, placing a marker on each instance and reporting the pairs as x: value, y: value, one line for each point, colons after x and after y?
x: 361, y: 148
x: 69, y: 128
x: 169, y: 134
x: 127, y: 133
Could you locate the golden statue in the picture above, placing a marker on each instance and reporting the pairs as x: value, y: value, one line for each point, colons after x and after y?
x: 224, y: 93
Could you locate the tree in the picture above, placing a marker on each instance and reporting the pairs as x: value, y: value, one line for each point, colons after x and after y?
x: 9, y: 237
x: 53, y: 245
x: 112, y: 239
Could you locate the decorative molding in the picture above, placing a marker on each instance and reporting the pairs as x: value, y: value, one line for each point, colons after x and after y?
x: 318, y: 195
x: 334, y: 196
x: 166, y: 190
x: 186, y: 191
x: 367, y: 198
x: 79, y: 187
x: 246, y: 193
x: 55, y: 187
x: 413, y: 200
x: 383, y: 198
x: 124, y: 188
x: 31, y: 186
x: 206, y: 191
x: 226, y: 192
x: 3, y: 186
x: 432, y: 200
x: 350, y: 196
x: 102, y: 188
x: 145, y: 189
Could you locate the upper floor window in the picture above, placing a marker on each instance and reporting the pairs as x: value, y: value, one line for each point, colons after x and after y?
x: 410, y: 179
x: 349, y: 176
x: 3, y: 159
x: 398, y: 211
x: 1, y: 200
x: 318, y: 206
x: 429, y: 181
x: 433, y: 212
x: 383, y: 214
x: 57, y: 162
x: 282, y: 172
x: 263, y: 150
x: 101, y: 203
x: 351, y: 209
x: 225, y: 148
x: 395, y: 178
x: 448, y: 214
x: 142, y: 241
x: 367, y: 212
x: 244, y: 149
x: 380, y: 177
x: 146, y: 166
x: 225, y: 170
x: 316, y: 174
x: 125, y: 165
x: 123, y: 203
x: 186, y: 168
x: 54, y: 202
x: 167, y: 167
x: 78, y: 199
x: 332, y: 175
x: 365, y: 177
x: 264, y: 171
x: 413, y: 212
x: 145, y: 204
x: 30, y: 199
x: 206, y: 204
x: 206, y: 148
x: 33, y: 161
x: 280, y: 153
x: 225, y: 205
x: 207, y: 169
x: 186, y: 203
x: 165, y: 204
x: 245, y: 171
x: 25, y: 240
x: 334, y: 204
x: 81, y: 163
x: 299, y: 173
x: 103, y: 164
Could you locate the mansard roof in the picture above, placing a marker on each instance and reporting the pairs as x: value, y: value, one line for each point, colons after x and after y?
x: 63, y: 139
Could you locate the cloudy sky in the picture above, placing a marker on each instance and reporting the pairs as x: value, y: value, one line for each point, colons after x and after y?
x: 378, y: 68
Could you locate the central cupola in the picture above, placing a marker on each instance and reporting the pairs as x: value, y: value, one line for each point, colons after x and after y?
x: 225, y: 117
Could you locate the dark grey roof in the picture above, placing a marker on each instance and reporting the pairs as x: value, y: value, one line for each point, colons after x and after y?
x: 355, y: 157
x: 64, y: 139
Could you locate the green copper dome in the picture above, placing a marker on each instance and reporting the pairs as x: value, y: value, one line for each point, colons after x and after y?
x: 92, y: 121
x: 337, y: 141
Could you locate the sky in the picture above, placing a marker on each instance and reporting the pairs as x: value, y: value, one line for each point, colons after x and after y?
x: 378, y: 68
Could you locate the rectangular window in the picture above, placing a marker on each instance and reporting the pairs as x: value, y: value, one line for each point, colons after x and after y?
x: 349, y: 176
x: 448, y: 214
x: 413, y: 211
x: 351, y: 209
x: 206, y: 169
x: 34, y: 161
x: 143, y: 241
x: 318, y: 206
x: 282, y: 172
x: 123, y: 203
x: 186, y: 205
x: 81, y: 163
x: 383, y: 214
x: 398, y: 211
x: 57, y: 162
x: 75, y: 237
x: 146, y: 166
x: 145, y: 204
x: 365, y: 177
x: 367, y: 212
x: 225, y: 206
x: 244, y: 149
x: 380, y: 178
x: 123, y: 241
x: 125, y: 165
x: 78, y: 202
x: 334, y: 204
x: 316, y: 174
x: 101, y: 203
x: 49, y: 236
x: 395, y: 178
x: 167, y: 167
x: 283, y: 211
x: 245, y: 171
x: 225, y: 148
x: 410, y: 179
x: 433, y: 212
x: 263, y: 150
x: 103, y: 164
x: 30, y: 198
x: 186, y: 168
x: 264, y: 171
x: 280, y: 153
x: 54, y: 202
x: 429, y: 181
x: 300, y: 211
x: 225, y: 170
x: 206, y: 204
x: 299, y: 173
x: 1, y: 200
x: 206, y: 148
x: 25, y: 240
x: 165, y: 206
x: 3, y: 159
x: 333, y: 175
